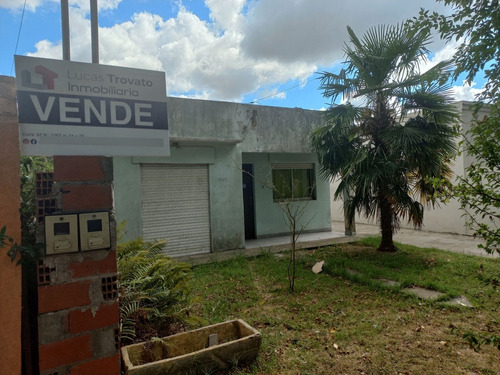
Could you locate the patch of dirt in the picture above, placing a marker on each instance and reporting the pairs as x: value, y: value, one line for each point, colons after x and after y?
x: 145, y: 331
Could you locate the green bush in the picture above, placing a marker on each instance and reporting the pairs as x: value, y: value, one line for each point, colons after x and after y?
x: 154, y: 290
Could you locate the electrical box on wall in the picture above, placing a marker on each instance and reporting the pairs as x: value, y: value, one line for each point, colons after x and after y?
x: 61, y: 234
x: 94, y: 231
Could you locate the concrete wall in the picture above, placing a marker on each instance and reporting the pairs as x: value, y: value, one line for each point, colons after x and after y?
x: 226, y: 202
x: 269, y: 217
x: 257, y: 128
x: 10, y: 274
x: 273, y: 129
x: 127, y: 195
x: 217, y: 133
x: 446, y: 218
x: 466, y: 110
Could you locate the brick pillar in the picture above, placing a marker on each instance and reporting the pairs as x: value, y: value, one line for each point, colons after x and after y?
x: 10, y: 274
x: 78, y: 315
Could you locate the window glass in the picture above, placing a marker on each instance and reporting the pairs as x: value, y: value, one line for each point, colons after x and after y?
x: 294, y: 182
x: 282, y: 182
x: 301, y: 183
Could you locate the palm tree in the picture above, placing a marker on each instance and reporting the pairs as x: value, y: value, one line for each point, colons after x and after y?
x: 386, y: 149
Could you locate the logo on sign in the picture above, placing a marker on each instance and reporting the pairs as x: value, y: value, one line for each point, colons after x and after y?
x: 32, y: 79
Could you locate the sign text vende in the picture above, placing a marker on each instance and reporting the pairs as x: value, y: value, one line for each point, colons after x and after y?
x: 90, y: 111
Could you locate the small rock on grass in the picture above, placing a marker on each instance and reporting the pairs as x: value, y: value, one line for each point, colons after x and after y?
x: 318, y: 267
x: 459, y: 301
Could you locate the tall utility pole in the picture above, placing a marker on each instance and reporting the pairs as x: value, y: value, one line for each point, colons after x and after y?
x: 94, y: 28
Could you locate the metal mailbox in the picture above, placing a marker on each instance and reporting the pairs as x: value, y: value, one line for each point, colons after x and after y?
x: 61, y: 234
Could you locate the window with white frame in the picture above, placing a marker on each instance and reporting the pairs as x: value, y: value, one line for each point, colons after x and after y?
x: 293, y: 181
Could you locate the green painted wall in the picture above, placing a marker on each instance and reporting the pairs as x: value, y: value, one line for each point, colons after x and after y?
x: 223, y: 135
x: 127, y: 197
x: 226, y: 200
x: 270, y: 218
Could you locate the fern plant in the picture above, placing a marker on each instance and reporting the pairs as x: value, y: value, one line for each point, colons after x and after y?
x: 154, y: 289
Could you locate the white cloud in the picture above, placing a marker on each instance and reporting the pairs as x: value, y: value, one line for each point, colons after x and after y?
x: 195, y: 55
x: 315, y: 30
x: 18, y: 5
x: 45, y: 48
x: 101, y: 4
x: 227, y: 14
x: 466, y: 92
x: 31, y: 5
x: 444, y: 54
x: 246, y: 44
x: 274, y: 94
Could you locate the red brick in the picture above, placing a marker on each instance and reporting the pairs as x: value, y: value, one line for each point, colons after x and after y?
x: 87, y: 197
x: 81, y: 321
x: 10, y: 274
x: 101, y: 366
x: 59, y: 297
x: 91, y: 267
x: 65, y: 352
x: 78, y: 168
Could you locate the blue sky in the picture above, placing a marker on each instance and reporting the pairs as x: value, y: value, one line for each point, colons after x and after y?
x: 233, y: 50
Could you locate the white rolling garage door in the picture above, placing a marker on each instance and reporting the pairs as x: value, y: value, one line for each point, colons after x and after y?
x: 175, y: 207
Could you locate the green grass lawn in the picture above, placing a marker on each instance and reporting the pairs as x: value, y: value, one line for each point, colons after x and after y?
x: 345, y: 321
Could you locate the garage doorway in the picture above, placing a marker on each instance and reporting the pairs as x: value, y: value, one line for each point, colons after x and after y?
x: 175, y: 206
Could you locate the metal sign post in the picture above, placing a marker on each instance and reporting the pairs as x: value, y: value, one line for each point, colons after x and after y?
x: 94, y: 28
x: 65, y: 30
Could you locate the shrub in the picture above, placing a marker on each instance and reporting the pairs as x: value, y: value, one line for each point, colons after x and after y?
x: 154, y: 290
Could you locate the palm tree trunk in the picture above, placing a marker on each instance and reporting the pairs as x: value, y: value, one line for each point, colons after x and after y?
x: 386, y: 225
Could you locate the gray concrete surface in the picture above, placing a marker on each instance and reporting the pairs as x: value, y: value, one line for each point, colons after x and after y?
x: 445, y: 241
x: 457, y: 243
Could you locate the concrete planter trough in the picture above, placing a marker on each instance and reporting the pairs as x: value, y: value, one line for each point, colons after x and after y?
x: 205, y: 349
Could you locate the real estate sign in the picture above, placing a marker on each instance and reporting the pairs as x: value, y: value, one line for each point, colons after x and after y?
x: 73, y: 108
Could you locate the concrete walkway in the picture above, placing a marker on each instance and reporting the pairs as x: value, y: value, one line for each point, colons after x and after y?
x: 271, y: 245
x: 305, y: 240
x: 444, y: 241
x: 457, y: 243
